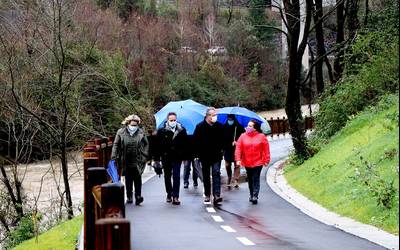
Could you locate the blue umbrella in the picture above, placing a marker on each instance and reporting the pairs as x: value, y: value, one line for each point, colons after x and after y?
x: 189, y: 114
x: 243, y: 116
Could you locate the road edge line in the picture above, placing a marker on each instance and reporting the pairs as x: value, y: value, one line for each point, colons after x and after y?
x: 277, y: 182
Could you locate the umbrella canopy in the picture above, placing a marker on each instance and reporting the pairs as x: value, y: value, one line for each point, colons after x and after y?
x: 189, y: 114
x: 243, y: 116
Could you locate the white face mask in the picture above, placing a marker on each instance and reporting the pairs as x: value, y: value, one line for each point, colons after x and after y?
x: 214, y: 119
x: 172, y: 124
x: 132, y: 128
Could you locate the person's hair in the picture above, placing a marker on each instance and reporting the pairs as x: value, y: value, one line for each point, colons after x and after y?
x: 257, y: 125
x: 232, y: 116
x: 209, y: 109
x: 171, y: 113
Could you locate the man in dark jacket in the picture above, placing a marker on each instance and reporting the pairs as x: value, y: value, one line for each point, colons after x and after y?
x: 232, y: 132
x: 208, y: 137
x: 171, y: 143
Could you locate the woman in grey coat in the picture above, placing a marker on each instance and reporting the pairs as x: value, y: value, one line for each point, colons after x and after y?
x: 131, y: 151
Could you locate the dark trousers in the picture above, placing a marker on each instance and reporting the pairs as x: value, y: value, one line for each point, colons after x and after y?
x: 172, y: 170
x: 215, y: 167
x: 133, y: 176
x: 186, y: 172
x: 253, y: 178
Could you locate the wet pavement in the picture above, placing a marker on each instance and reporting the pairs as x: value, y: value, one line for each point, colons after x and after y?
x: 236, y: 224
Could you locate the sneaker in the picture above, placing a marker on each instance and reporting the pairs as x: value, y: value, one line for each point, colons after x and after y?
x: 129, y: 200
x: 207, y: 199
x: 236, y: 184
x: 195, y: 184
x: 186, y: 185
x: 250, y: 199
x: 139, y: 200
x: 176, y: 201
x: 254, y: 200
x: 217, y: 200
x: 169, y: 199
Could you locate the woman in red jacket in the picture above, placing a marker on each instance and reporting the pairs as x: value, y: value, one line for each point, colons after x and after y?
x: 252, y: 152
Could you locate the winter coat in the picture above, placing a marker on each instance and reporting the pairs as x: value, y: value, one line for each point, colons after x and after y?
x: 171, y: 145
x: 231, y: 135
x: 120, y: 145
x: 208, y: 141
x: 252, y: 150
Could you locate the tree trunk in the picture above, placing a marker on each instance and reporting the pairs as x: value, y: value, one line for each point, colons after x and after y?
x: 14, y: 200
x: 340, y: 20
x: 366, y: 12
x: 319, y: 35
x: 292, y: 105
x: 230, y: 12
x: 352, y: 22
x: 64, y: 165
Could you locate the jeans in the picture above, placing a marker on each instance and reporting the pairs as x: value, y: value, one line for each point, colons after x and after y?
x: 253, y: 176
x: 216, y: 178
x: 172, y: 170
x: 186, y: 172
x: 132, y: 175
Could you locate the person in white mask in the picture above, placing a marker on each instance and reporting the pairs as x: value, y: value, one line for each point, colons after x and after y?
x: 171, y: 149
x: 209, y: 144
x: 131, y: 151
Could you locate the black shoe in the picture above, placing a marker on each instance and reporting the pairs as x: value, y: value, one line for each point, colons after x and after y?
x: 175, y: 201
x: 169, y: 199
x: 139, y: 200
x: 250, y: 199
x: 254, y: 200
x: 207, y: 199
x: 217, y: 200
x: 186, y: 185
x: 129, y: 200
x: 195, y: 184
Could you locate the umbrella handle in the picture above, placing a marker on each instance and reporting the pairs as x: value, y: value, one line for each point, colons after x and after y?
x: 234, y: 134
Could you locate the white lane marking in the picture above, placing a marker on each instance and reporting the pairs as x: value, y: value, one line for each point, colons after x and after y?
x: 229, y: 229
x: 217, y: 218
x: 245, y: 241
x: 211, y: 210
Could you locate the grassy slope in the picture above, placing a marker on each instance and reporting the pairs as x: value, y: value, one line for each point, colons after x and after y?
x: 328, y: 177
x: 63, y: 236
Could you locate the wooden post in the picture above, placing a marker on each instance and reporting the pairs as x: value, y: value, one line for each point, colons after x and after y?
x: 112, y: 200
x: 89, y: 160
x: 285, y: 125
x: 113, y: 233
x: 94, y: 176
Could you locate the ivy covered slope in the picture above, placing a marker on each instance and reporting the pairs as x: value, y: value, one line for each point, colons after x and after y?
x: 356, y: 173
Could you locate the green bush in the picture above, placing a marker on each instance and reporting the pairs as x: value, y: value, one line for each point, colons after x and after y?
x: 24, y: 231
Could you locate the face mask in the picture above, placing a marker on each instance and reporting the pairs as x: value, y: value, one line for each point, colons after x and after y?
x: 172, y: 124
x: 214, y: 119
x: 132, y: 128
x: 249, y: 129
x: 231, y: 122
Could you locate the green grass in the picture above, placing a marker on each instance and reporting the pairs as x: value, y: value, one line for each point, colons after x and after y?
x: 63, y: 237
x: 332, y: 177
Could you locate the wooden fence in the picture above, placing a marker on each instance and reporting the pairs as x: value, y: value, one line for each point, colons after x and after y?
x: 105, y: 226
x: 281, y: 125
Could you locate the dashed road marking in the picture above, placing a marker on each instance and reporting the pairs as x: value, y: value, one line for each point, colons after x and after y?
x: 217, y: 218
x: 245, y: 241
x: 228, y: 229
x: 211, y: 210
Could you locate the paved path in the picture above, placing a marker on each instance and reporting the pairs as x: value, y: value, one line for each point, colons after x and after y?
x: 237, y: 224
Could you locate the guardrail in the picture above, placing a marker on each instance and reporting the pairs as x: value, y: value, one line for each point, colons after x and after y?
x: 105, y: 226
x: 281, y: 125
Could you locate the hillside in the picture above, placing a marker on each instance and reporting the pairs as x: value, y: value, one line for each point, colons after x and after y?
x: 356, y: 174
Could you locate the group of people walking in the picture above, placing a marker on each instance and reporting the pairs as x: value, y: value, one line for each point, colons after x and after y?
x: 171, y: 147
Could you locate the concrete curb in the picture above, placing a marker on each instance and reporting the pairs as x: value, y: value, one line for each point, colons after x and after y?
x: 147, y: 175
x: 276, y: 180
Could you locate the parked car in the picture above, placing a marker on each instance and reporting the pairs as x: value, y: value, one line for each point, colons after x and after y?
x: 217, y: 50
